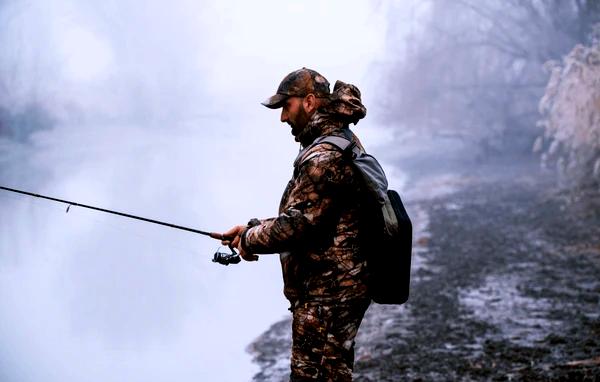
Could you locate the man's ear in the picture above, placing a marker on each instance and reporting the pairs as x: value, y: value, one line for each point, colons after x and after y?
x: 310, y: 103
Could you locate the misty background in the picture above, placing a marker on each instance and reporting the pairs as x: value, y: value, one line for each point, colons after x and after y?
x: 496, y: 81
x: 153, y: 109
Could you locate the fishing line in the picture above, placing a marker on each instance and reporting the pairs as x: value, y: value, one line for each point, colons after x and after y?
x: 219, y: 257
x: 213, y: 235
x: 110, y: 223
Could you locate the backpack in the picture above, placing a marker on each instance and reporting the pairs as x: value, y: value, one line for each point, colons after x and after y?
x: 389, y: 239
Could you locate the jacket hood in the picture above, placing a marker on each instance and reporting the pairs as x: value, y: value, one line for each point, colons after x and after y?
x: 345, y: 107
x: 346, y: 104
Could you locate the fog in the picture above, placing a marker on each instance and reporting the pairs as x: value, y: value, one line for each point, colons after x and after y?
x: 152, y: 109
x: 471, y: 74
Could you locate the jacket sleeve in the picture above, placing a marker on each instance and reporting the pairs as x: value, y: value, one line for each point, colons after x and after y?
x: 311, y: 209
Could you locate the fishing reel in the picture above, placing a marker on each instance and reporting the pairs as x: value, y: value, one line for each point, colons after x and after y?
x: 227, y: 258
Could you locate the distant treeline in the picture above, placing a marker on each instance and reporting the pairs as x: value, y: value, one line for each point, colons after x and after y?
x: 475, y: 69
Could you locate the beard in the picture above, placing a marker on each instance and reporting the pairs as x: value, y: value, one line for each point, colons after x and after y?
x: 300, y: 122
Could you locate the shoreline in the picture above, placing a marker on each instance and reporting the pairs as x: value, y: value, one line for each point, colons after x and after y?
x: 504, y: 287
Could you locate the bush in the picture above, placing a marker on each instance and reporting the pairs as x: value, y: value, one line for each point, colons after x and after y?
x: 570, y: 108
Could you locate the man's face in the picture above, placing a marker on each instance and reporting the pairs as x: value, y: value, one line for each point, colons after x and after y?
x: 294, y: 114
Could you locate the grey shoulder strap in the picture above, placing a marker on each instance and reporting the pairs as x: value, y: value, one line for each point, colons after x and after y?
x: 340, y: 142
x: 369, y: 169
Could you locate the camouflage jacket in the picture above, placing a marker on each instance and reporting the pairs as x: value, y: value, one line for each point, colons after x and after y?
x: 317, y: 229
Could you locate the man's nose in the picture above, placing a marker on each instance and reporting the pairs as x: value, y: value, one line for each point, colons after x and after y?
x: 284, y: 115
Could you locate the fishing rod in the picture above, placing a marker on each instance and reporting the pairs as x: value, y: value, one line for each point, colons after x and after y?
x: 219, y: 257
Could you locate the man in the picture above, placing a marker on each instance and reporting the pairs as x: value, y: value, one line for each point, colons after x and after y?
x: 317, y: 231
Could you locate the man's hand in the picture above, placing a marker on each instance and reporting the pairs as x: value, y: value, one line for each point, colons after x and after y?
x: 233, y: 238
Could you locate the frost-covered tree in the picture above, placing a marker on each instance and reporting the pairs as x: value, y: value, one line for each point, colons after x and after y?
x: 571, y: 115
x: 473, y: 69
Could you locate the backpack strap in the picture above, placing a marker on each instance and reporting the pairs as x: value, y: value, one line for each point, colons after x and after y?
x: 344, y: 144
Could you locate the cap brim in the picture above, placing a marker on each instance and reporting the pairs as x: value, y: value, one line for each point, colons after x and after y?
x: 275, y: 102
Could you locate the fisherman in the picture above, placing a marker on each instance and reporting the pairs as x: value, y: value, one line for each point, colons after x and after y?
x: 317, y: 231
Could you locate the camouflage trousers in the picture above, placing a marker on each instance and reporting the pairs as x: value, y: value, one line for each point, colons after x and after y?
x: 323, y: 341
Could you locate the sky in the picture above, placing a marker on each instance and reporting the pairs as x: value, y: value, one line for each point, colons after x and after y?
x: 154, y: 110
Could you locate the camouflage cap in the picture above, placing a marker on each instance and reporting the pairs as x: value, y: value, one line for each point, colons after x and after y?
x: 299, y: 83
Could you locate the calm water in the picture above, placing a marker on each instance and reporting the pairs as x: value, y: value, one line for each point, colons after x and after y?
x: 90, y: 296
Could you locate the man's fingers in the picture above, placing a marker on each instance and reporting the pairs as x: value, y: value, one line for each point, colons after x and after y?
x: 230, y: 236
x: 233, y: 239
x: 234, y: 243
x: 233, y: 231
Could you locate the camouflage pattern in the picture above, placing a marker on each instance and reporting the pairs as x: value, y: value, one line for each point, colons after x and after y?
x: 344, y: 107
x: 299, y: 83
x: 317, y: 230
x: 323, y: 341
x: 345, y: 103
x: 317, y: 234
